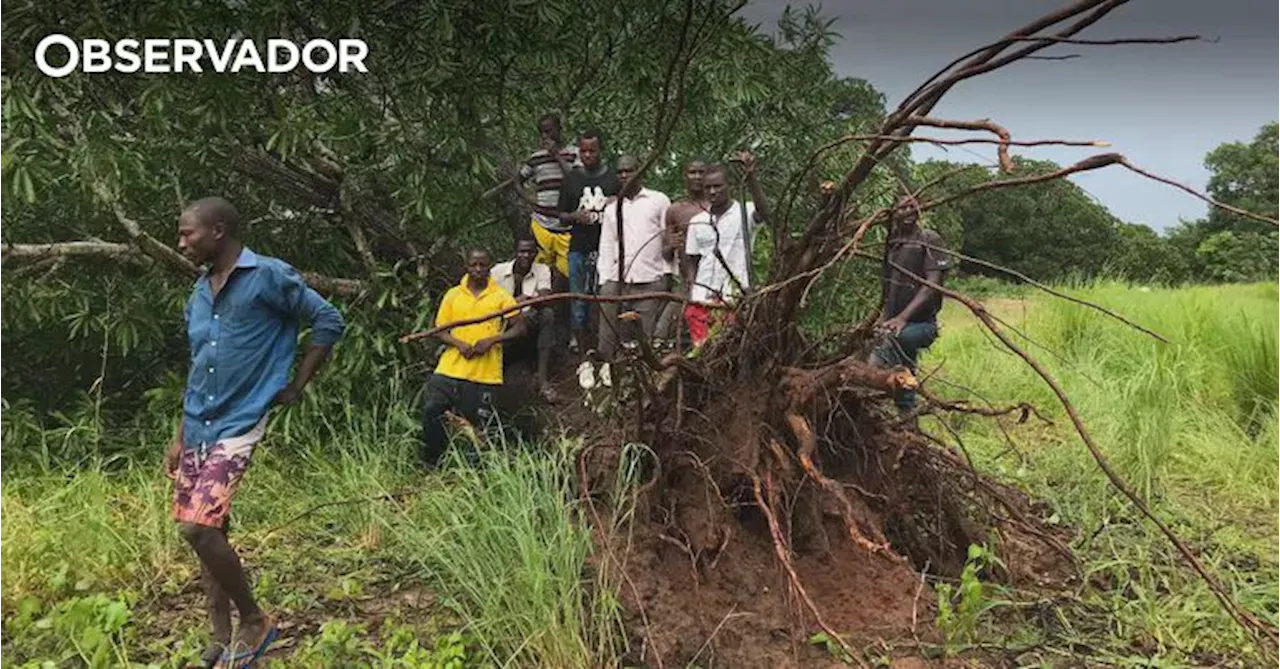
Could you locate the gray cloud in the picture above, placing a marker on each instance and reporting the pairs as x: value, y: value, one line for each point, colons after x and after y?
x: 1164, y: 106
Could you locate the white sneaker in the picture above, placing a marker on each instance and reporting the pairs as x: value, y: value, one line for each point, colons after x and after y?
x: 606, y: 379
x: 586, y: 375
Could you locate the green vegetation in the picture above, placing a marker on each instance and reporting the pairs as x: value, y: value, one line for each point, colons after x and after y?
x: 379, y: 179
x: 487, y: 565
x: 1055, y: 231
x: 481, y: 566
x: 1190, y: 424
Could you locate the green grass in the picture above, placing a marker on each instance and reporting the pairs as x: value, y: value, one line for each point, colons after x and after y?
x: 488, y: 565
x: 501, y: 543
x: 497, y: 547
x: 1191, y: 425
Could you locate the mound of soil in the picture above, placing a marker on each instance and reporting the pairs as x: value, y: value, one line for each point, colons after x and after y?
x: 701, y: 576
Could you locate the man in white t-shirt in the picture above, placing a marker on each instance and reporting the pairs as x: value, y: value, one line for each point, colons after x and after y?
x: 718, y: 246
x: 524, y: 279
x: 641, y: 263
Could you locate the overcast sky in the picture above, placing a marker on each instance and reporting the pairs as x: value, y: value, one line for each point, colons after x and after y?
x: 1164, y: 106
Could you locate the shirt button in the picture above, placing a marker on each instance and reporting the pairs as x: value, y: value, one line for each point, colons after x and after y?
x: 210, y: 370
x: 215, y: 317
x: 213, y: 343
x: 207, y: 423
x: 211, y: 398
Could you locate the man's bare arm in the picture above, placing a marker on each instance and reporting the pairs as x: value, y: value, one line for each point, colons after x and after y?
x: 922, y: 295
x: 174, y: 450
x: 671, y: 227
x: 757, y: 196
x: 517, y: 330
x: 689, y: 270
x: 315, y: 356
x: 463, y: 347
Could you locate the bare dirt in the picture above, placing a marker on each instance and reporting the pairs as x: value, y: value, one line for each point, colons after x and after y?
x: 701, y: 577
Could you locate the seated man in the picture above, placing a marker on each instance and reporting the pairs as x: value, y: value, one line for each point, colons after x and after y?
x: 470, y: 369
x: 525, y: 279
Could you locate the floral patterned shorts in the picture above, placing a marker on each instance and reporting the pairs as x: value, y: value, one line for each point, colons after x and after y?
x: 207, y: 479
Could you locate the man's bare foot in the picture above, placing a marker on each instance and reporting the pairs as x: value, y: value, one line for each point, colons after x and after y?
x: 209, y: 658
x: 253, y: 633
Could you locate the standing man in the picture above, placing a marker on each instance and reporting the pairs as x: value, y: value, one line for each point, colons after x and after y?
x: 525, y: 279
x: 582, y: 200
x: 639, y: 263
x: 718, y: 246
x: 909, y: 314
x: 678, y: 217
x: 470, y: 369
x: 547, y: 168
x: 243, y: 319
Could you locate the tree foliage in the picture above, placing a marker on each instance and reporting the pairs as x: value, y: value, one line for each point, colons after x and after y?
x: 1226, y: 247
x: 377, y: 177
x: 1048, y: 231
x: 1246, y: 176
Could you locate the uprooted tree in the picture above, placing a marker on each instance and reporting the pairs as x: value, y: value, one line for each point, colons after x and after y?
x: 772, y: 446
x: 773, y: 443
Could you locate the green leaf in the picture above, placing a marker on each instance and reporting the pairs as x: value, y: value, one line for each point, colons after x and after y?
x: 28, y: 189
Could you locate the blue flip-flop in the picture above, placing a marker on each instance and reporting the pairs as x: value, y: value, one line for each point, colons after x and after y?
x: 254, y: 655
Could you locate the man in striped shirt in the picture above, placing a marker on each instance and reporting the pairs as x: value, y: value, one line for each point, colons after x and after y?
x: 547, y: 168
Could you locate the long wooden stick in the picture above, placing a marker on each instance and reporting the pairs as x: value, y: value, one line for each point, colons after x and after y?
x: 556, y: 297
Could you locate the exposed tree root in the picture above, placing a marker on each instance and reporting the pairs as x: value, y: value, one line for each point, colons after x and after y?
x: 779, y: 448
x: 766, y: 507
x: 804, y: 436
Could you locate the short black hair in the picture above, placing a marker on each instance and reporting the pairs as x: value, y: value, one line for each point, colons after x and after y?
x: 715, y: 168
x: 216, y: 209
x: 550, y: 116
x: 593, y: 133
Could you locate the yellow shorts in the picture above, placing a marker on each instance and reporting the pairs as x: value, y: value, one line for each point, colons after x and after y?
x: 553, y: 247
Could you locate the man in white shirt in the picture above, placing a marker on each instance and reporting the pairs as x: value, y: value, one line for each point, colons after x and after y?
x: 718, y: 246
x: 525, y: 279
x: 640, y: 260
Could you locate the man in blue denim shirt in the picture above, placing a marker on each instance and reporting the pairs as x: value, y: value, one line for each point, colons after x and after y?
x: 243, y: 319
x: 909, y: 318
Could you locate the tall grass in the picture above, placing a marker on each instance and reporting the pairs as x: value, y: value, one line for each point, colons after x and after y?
x: 1191, y: 424
x: 499, y: 542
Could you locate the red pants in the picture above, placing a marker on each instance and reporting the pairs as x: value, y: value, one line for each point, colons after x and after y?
x: 701, y: 320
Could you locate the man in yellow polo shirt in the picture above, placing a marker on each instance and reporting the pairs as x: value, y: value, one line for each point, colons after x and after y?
x: 470, y: 369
